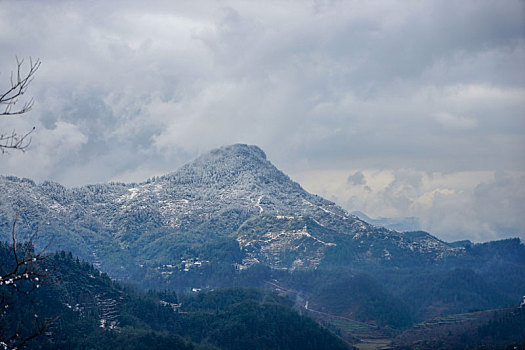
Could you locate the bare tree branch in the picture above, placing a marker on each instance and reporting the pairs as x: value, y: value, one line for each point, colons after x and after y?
x: 15, y: 141
x: 26, y: 270
x: 19, y: 85
x: 9, y: 99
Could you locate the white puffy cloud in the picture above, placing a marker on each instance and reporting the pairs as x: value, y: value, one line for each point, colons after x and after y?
x: 50, y: 149
x: 475, y: 205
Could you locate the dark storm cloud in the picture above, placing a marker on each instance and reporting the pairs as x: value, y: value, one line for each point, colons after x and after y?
x: 356, y: 179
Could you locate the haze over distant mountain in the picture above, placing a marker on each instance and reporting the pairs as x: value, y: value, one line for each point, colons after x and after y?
x: 410, y: 223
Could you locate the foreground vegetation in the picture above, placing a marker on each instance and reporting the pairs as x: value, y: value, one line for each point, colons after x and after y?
x: 85, y: 309
x: 82, y: 308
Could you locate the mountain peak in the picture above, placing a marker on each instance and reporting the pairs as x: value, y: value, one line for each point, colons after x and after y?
x: 239, y: 150
x: 228, y: 165
x: 232, y: 191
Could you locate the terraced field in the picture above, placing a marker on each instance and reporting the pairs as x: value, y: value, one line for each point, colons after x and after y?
x: 441, y: 331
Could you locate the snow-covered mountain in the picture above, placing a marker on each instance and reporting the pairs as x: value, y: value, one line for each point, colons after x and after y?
x: 232, y: 192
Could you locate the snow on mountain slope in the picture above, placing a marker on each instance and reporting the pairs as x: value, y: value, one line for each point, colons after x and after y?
x: 221, y: 193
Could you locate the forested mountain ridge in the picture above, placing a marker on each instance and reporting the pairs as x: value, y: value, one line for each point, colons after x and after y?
x: 232, y: 192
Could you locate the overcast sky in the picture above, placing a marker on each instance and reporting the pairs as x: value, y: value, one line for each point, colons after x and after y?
x: 394, y: 108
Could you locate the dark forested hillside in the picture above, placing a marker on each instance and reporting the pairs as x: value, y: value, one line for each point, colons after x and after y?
x: 87, y: 310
